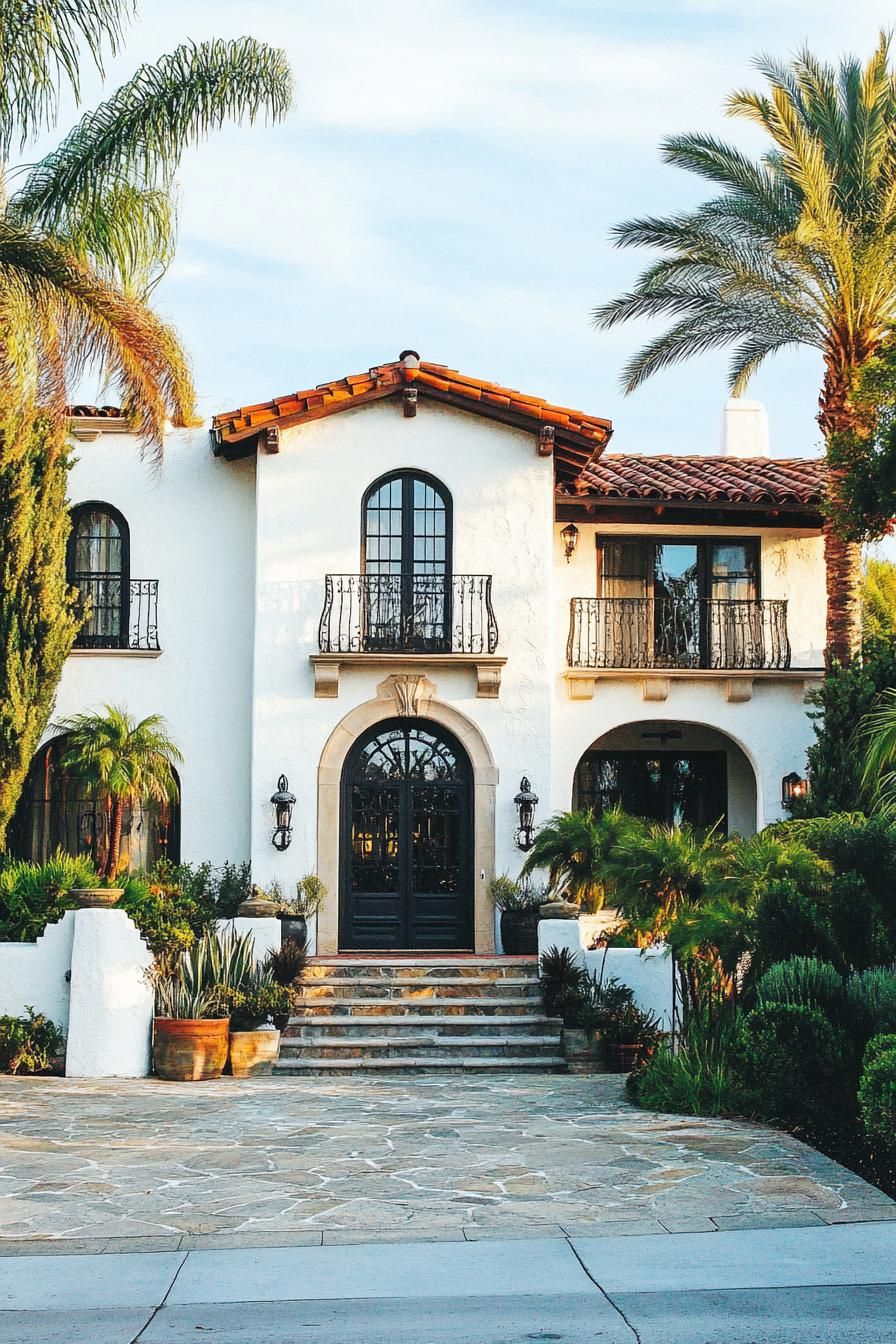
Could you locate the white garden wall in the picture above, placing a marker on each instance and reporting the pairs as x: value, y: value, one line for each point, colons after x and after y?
x: 647, y: 971
x: 35, y: 974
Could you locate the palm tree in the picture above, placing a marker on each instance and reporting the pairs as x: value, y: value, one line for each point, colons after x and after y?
x: 88, y: 230
x: 798, y: 249
x: 85, y: 233
x: 575, y: 848
x: 129, y: 762
x: 876, y: 738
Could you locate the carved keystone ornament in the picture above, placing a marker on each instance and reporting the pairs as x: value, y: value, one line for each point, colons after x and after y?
x: 411, y: 692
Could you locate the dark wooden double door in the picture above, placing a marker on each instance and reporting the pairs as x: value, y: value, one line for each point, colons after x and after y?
x: 407, y: 841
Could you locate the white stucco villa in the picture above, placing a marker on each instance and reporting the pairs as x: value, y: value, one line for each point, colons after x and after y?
x: 408, y: 590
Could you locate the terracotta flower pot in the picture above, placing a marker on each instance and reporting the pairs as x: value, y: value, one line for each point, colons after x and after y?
x: 253, y: 1052
x: 96, y: 898
x: 189, y: 1050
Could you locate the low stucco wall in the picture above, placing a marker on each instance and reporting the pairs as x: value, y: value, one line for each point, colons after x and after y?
x: 34, y: 975
x: 646, y: 971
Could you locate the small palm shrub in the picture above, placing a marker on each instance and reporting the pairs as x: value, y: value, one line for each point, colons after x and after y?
x: 564, y: 984
x: 287, y: 962
x: 797, y: 1065
x: 877, y: 1097
x: 29, y: 1044
x: 804, y: 982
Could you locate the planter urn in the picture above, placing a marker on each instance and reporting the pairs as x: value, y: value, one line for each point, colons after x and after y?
x: 293, y: 928
x: 253, y: 1052
x: 96, y: 898
x: 189, y: 1050
x: 519, y: 932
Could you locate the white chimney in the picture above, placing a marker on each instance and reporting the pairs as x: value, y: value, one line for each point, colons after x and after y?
x: 744, y: 429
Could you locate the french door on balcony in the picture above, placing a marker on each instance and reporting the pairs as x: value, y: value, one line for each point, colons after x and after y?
x: 407, y: 565
x: 681, y: 603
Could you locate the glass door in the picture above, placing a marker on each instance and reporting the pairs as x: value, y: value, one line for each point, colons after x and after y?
x: 407, y: 566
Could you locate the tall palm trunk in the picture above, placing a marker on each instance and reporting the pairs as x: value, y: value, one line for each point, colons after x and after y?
x: 842, y: 557
x: 115, y: 837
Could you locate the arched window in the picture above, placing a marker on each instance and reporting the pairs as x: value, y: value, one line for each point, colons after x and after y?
x: 99, y: 564
x: 60, y: 810
x: 406, y: 543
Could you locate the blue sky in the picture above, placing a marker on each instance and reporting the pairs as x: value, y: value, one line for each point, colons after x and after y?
x: 448, y: 181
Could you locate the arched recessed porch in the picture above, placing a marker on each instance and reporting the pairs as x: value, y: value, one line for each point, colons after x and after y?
x: 672, y: 772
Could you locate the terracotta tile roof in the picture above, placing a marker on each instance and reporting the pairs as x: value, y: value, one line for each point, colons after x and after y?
x: 745, y: 480
x: 574, y: 437
x: 84, y: 412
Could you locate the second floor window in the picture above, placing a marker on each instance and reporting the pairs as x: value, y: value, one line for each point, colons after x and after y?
x: 99, y: 565
x: 407, y: 563
x: 680, y: 598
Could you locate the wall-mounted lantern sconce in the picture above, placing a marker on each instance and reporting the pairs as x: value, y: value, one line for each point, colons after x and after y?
x: 793, y: 787
x: 525, y: 803
x: 284, y: 802
x: 570, y: 535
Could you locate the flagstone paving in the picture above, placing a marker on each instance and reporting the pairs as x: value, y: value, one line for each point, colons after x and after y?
x: 126, y: 1164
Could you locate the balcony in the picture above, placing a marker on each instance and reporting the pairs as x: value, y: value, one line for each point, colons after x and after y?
x: 112, y: 624
x: 676, y: 638
x: 422, y: 619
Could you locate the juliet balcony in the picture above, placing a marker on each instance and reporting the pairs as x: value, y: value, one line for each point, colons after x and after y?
x: 672, y: 638
x: 122, y: 615
x: 407, y: 620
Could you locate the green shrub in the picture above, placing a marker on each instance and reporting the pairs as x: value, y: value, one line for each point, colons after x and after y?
x: 877, y: 1096
x: 871, y: 1000
x: 259, y: 1000
x: 33, y: 895
x: 804, y: 982
x: 797, y: 1065
x: 29, y: 1044
x: 789, y: 922
x: 697, y: 1078
x: 564, y: 984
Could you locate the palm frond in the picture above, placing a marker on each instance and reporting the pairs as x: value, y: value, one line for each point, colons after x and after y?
x: 43, y: 46
x: 138, y: 136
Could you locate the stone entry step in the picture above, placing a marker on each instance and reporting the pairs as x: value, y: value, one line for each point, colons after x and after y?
x: 308, y: 1068
x: 480, y: 1013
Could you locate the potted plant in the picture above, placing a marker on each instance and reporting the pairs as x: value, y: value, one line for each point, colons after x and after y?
x: 294, y: 915
x: 255, y: 1008
x: 189, y: 1033
x: 631, y: 1036
x: 564, y: 988
x: 286, y: 964
x: 192, y: 1021
x: 519, y: 906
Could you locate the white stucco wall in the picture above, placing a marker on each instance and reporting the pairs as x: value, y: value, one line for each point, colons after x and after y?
x: 191, y: 527
x: 111, y: 1011
x: 646, y: 971
x: 34, y: 975
x: 309, y: 524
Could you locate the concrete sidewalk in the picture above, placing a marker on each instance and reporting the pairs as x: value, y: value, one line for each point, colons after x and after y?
x: 787, y: 1286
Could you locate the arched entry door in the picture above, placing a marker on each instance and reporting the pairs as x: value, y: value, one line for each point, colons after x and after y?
x: 406, y: 840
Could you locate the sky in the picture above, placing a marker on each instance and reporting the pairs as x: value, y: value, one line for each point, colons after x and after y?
x: 448, y: 181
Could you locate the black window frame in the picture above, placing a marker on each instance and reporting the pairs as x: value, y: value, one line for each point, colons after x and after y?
x: 124, y: 573
x: 407, y: 476
x: 711, y: 757
x: 704, y: 546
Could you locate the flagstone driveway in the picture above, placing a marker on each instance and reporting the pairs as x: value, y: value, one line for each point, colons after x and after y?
x: 151, y: 1165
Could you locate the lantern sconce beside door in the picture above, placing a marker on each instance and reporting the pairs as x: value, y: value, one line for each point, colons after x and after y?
x: 525, y: 803
x: 793, y: 787
x: 283, y: 802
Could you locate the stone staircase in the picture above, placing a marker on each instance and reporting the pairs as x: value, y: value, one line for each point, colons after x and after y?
x: 430, y: 1014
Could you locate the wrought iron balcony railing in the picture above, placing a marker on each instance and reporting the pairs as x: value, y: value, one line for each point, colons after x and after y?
x: 408, y: 613
x: 120, y: 615
x: 633, y: 632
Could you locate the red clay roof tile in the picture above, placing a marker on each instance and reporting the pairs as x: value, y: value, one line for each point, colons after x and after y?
x: 754, y: 480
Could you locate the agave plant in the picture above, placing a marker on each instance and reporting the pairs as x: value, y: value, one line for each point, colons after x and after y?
x: 175, y: 999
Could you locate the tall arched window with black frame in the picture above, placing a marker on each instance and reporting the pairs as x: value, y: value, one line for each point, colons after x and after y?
x: 99, y: 567
x: 406, y: 554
